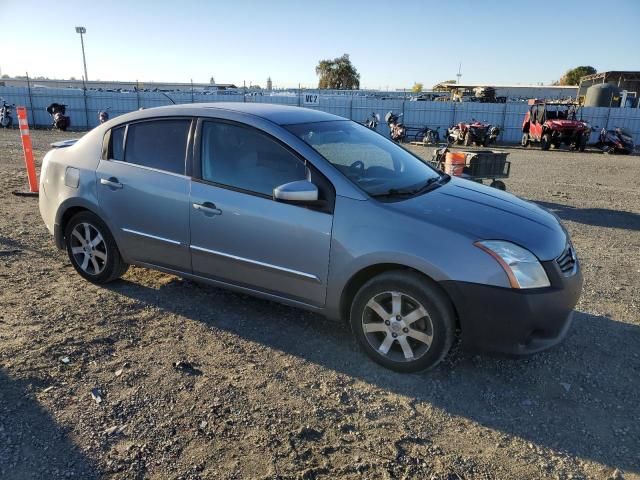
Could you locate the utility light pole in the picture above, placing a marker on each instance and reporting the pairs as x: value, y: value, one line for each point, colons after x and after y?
x: 81, y: 31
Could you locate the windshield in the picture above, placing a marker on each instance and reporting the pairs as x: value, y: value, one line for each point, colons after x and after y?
x: 374, y: 163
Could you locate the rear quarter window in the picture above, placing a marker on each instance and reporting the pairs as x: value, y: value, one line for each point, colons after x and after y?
x: 116, y: 148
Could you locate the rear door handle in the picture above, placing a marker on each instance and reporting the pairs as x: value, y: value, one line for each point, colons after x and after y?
x: 207, y: 208
x: 111, y: 182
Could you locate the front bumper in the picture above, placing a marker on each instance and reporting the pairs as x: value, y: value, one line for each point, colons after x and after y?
x: 515, y: 321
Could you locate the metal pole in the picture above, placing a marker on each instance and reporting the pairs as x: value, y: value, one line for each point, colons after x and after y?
x: 192, y: 90
x: 33, y: 118
x: 300, y: 95
x: 138, y: 94
x: 86, y: 112
x: 504, y: 118
x: 84, y: 60
x: 244, y: 89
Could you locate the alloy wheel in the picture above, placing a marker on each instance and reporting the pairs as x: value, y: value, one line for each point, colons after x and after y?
x: 88, y: 248
x: 397, y: 326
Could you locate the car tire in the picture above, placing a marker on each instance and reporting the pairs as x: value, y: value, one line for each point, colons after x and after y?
x: 525, y: 140
x: 411, y: 307
x: 92, y: 249
x: 545, y: 141
x: 582, y: 144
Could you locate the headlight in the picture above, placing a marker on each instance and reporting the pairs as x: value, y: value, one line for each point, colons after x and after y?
x: 521, y: 266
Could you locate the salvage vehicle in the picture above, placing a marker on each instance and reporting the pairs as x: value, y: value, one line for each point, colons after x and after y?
x: 314, y: 211
x: 6, y: 120
x: 474, y: 132
x: 60, y: 121
x: 618, y: 140
x: 552, y: 124
x: 397, y: 130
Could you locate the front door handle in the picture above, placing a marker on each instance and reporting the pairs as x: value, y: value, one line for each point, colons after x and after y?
x: 207, y: 208
x: 111, y: 182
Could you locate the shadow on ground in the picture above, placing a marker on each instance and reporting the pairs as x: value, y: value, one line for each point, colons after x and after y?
x: 599, y: 217
x: 578, y: 397
x: 32, y: 445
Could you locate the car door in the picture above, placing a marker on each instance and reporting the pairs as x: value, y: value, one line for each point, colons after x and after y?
x: 144, y: 192
x: 535, y: 126
x: 239, y: 234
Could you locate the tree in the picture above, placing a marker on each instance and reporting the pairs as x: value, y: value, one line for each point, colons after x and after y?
x: 573, y: 76
x: 338, y: 73
x: 417, y: 87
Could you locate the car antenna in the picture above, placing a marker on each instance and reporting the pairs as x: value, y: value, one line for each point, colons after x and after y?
x: 167, y: 97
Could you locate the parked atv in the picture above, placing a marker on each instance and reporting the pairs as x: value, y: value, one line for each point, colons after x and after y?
x: 476, y: 132
x: 618, y: 140
x: 552, y: 124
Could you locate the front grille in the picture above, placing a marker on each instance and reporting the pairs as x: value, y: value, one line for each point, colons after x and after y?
x: 567, y: 261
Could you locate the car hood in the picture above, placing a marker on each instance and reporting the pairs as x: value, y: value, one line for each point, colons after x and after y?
x: 485, y: 213
x: 565, y: 124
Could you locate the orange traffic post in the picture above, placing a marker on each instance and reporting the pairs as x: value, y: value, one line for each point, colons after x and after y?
x: 28, y: 151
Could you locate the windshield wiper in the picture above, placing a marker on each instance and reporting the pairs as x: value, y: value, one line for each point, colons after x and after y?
x: 393, y: 192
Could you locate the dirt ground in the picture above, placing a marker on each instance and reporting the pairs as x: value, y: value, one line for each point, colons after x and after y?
x: 275, y: 392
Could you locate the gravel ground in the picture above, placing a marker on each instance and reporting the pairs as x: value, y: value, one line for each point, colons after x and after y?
x: 89, y: 386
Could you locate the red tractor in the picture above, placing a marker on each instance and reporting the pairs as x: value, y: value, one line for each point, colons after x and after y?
x: 554, y: 124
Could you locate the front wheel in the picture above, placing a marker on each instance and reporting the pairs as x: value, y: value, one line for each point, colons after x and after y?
x: 525, y: 140
x: 545, y: 141
x: 92, y: 249
x: 403, y: 321
x: 582, y: 144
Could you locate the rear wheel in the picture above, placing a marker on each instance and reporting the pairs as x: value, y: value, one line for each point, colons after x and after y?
x: 403, y: 321
x: 92, y: 249
x: 525, y: 140
x: 545, y: 141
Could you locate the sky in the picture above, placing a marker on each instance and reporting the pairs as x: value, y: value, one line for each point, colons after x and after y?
x: 392, y: 44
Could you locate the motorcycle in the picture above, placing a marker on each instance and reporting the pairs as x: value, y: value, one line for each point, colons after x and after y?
x: 57, y: 112
x: 6, y: 120
x: 475, y: 132
x: 618, y: 140
x: 372, y: 121
x: 397, y: 130
x: 103, y: 115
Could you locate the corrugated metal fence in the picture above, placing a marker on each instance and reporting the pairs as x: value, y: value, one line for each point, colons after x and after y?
x: 83, y: 107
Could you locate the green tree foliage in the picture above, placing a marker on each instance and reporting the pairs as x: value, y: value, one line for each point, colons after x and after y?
x: 417, y: 87
x: 573, y: 76
x: 338, y: 73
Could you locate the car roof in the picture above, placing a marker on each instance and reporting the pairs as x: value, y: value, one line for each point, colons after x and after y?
x: 280, y: 114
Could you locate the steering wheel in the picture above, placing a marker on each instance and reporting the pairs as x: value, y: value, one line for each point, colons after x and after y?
x: 357, y: 167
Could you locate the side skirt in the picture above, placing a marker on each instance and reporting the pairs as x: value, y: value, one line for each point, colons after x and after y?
x: 230, y: 286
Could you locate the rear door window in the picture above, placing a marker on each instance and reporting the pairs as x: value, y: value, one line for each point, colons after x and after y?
x: 159, y: 144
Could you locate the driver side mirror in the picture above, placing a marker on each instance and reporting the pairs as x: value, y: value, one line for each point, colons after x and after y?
x: 299, y: 192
